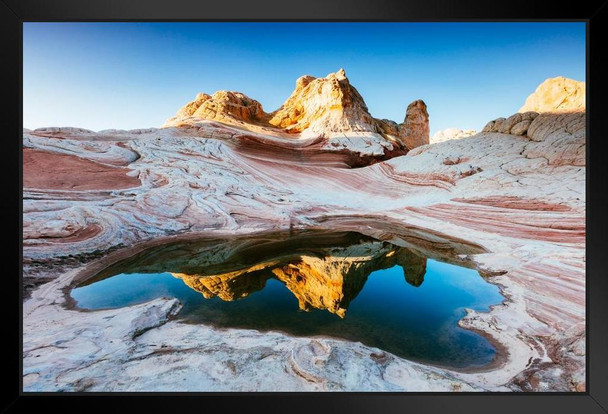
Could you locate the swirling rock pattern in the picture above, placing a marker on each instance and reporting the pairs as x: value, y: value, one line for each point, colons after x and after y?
x: 515, y: 204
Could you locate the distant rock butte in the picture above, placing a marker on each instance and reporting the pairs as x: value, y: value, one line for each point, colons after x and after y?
x: 451, y: 133
x: 318, y: 107
x: 556, y: 95
x: 414, y: 131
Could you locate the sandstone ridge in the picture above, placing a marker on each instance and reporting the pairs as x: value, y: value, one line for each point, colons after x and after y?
x: 318, y: 107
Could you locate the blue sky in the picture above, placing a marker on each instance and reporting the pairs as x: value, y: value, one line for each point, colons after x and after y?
x: 136, y: 75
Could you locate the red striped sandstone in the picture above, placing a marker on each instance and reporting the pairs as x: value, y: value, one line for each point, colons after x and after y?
x: 520, y: 199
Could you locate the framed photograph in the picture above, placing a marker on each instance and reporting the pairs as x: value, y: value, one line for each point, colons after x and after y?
x: 364, y: 207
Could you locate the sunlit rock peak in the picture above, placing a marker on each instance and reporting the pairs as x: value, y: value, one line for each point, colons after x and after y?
x: 556, y: 95
x: 222, y: 106
x: 318, y: 107
x: 321, y: 105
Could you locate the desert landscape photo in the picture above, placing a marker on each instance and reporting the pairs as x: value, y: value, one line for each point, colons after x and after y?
x: 301, y: 206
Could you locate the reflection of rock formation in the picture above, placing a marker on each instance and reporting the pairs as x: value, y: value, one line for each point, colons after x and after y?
x: 227, y: 287
x: 333, y: 281
x: 327, y: 279
x: 414, y: 266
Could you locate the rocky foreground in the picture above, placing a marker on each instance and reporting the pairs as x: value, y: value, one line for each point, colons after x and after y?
x: 515, y: 193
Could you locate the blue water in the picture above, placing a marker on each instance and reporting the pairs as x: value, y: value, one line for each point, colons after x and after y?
x: 418, y: 323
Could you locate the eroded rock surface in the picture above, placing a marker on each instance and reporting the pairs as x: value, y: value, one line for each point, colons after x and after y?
x: 328, y: 108
x: 516, y: 124
x: 513, y: 201
x: 556, y: 95
x: 223, y: 106
x: 321, y: 105
x: 558, y: 137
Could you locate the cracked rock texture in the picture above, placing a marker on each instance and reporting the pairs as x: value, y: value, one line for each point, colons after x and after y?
x: 519, y: 197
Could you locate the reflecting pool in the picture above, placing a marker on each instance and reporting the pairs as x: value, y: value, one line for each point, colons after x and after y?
x: 341, y: 285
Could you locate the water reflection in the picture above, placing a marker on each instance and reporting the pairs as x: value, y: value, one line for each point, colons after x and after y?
x: 350, y: 286
x: 328, y: 282
x: 323, y: 271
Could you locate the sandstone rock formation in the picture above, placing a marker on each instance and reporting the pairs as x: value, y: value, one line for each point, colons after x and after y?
x: 556, y: 95
x: 516, y: 124
x: 223, y: 106
x: 559, y: 137
x: 322, y: 105
x: 414, y: 131
x: 328, y: 107
x: 56, y: 170
x: 451, y: 133
x: 509, y: 201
